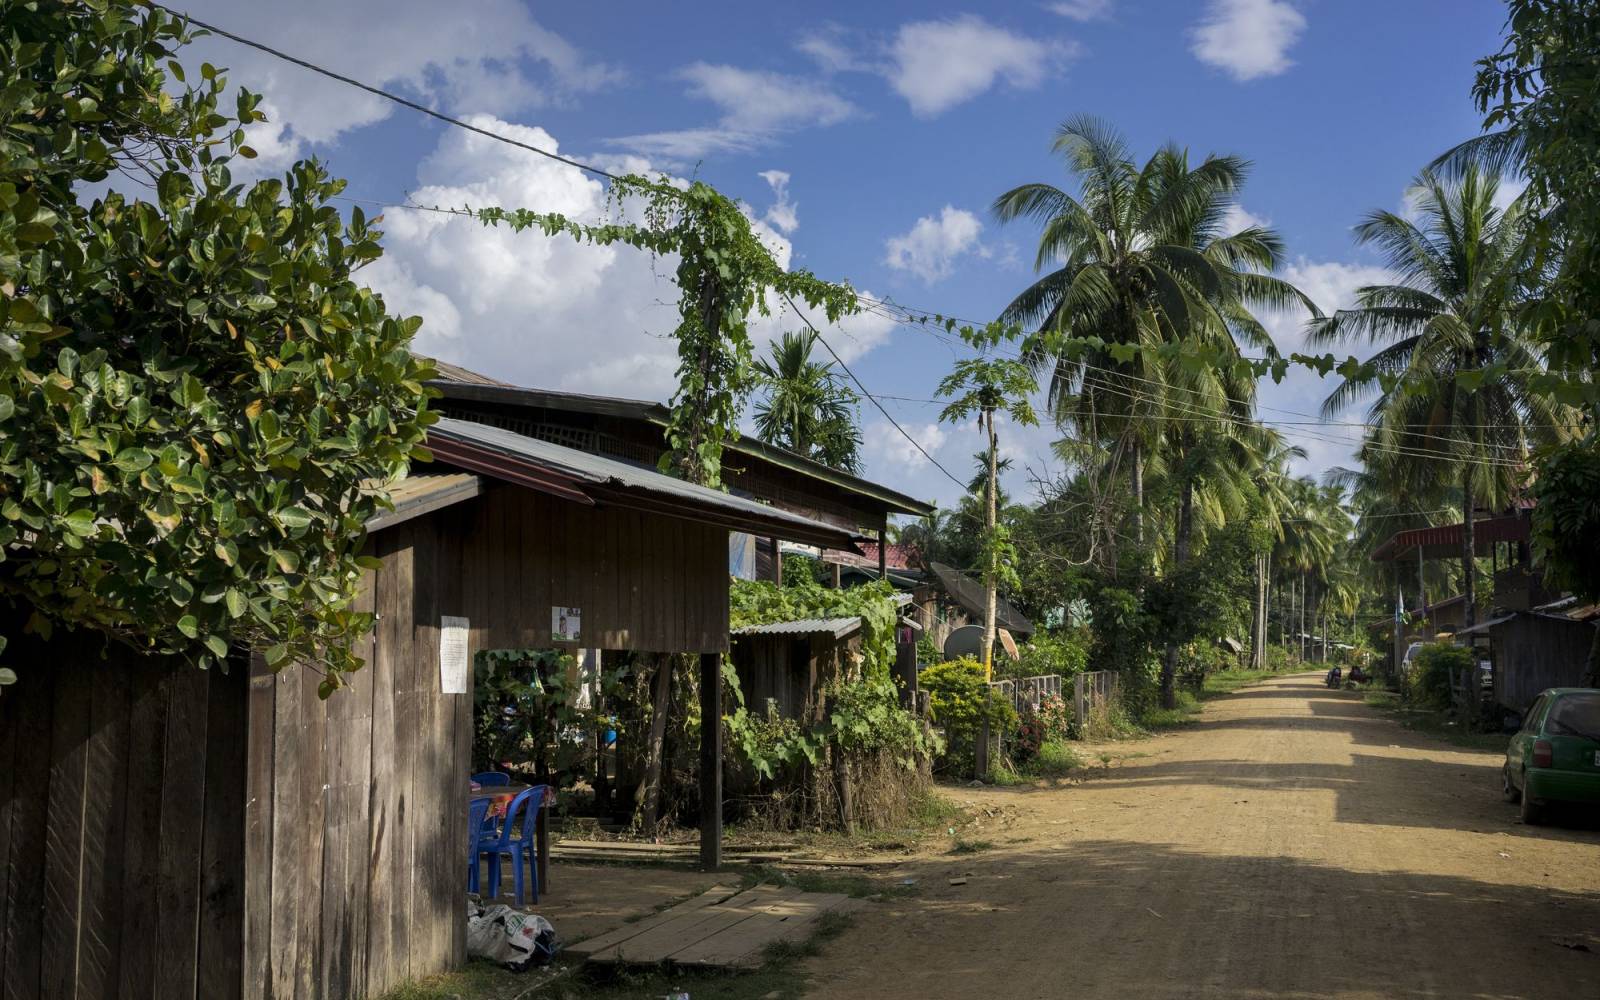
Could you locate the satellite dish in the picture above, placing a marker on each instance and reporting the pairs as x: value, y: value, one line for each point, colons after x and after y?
x: 964, y: 641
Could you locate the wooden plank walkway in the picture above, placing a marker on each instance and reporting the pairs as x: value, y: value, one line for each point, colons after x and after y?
x: 721, y: 927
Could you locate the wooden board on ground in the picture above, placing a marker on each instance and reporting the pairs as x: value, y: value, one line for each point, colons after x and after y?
x: 720, y: 928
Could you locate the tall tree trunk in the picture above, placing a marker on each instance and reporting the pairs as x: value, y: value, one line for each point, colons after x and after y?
x: 1468, y: 556
x: 1300, y: 640
x: 993, y: 567
x: 1180, y: 557
x: 660, y: 704
x: 1138, y: 494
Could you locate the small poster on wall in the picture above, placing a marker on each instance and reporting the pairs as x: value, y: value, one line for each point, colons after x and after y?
x: 565, y: 623
x: 453, y: 654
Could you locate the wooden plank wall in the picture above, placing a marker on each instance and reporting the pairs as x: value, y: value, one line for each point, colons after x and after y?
x: 167, y: 832
x: 121, y: 824
x: 358, y: 843
x: 645, y: 582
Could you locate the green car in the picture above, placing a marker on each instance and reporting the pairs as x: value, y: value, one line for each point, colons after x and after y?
x: 1555, y: 757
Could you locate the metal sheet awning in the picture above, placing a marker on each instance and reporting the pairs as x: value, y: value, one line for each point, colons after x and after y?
x: 590, y: 479
x: 1484, y: 627
x: 1444, y: 541
x: 836, y: 627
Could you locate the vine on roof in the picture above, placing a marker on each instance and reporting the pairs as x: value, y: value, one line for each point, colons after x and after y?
x: 724, y: 274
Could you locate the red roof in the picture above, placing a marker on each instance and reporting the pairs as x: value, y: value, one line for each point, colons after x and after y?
x: 901, y: 556
x: 1444, y: 541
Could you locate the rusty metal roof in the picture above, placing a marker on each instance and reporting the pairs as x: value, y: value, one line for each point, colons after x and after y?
x: 1444, y: 541
x: 422, y: 492
x: 588, y: 478
x: 837, y: 627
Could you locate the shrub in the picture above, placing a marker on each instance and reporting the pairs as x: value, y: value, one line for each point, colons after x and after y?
x: 959, y: 700
x: 1066, y: 653
x: 1429, y: 682
x: 1052, y: 723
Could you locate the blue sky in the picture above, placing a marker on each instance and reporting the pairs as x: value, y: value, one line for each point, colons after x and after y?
x: 868, y: 140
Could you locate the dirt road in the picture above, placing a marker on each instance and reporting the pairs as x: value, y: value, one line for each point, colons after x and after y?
x: 1293, y: 843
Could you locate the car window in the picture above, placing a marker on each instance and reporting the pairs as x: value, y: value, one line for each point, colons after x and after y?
x: 1530, y: 722
x: 1575, y: 715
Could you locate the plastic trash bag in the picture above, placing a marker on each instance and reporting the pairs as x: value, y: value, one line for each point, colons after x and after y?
x: 516, y: 940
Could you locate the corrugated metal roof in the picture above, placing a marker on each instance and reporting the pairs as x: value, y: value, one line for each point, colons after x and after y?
x: 969, y: 593
x: 837, y: 627
x: 455, y: 373
x: 1444, y: 540
x: 596, y: 473
x: 422, y: 492
x: 1486, y: 626
x: 478, y: 388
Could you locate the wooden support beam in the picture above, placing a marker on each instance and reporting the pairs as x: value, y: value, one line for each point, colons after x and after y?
x: 883, y: 548
x: 711, y: 761
x: 777, y: 562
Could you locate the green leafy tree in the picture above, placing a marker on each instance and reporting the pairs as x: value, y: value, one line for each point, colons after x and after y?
x: 196, y: 394
x: 1137, y: 259
x: 1456, y: 377
x: 806, y: 407
x: 986, y: 386
x: 1543, y: 112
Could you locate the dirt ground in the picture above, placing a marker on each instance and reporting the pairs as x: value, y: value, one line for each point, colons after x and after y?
x: 1292, y: 843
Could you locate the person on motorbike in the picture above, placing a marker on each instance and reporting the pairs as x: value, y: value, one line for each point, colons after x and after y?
x: 1333, y: 677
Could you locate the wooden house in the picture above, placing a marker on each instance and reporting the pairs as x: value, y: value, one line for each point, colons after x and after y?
x: 1529, y: 651
x: 785, y: 664
x: 179, y: 834
x: 632, y: 430
x: 953, y: 599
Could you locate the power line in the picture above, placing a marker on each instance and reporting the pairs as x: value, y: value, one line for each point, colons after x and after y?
x: 865, y: 392
x: 386, y: 95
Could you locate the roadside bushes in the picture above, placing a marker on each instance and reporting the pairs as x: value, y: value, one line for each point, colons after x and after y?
x: 1065, y: 653
x: 1429, y: 681
x: 959, y: 701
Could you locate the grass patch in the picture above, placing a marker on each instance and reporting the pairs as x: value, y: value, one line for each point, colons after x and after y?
x: 1436, y: 723
x: 850, y: 884
x: 1182, y: 714
x: 963, y: 846
x: 1187, y: 709
x: 1229, y: 681
x: 1054, y: 760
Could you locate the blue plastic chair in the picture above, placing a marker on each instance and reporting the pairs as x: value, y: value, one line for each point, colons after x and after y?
x: 477, y: 826
x: 486, y: 779
x: 518, y: 844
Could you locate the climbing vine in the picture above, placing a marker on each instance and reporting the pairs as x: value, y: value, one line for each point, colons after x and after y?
x: 725, y: 274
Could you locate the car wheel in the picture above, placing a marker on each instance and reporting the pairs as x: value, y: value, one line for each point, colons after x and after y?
x: 1532, y: 812
x: 1507, y: 789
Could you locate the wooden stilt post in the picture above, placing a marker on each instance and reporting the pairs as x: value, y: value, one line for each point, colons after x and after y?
x: 883, y: 548
x: 710, y: 761
x: 777, y: 563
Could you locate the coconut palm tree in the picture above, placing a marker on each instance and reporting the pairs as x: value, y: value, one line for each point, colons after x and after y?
x: 1452, y: 380
x: 1139, y: 257
x: 807, y: 408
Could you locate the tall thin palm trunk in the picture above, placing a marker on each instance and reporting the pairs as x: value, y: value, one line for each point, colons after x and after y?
x: 993, y: 567
x: 1469, y: 567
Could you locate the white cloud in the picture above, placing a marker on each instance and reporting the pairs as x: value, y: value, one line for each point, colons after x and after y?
x: 1331, y: 285
x: 1236, y: 218
x: 835, y: 50
x: 936, y: 65
x: 1082, y: 10
x: 930, y: 248
x: 1248, y: 38
x: 540, y: 311
x: 783, y: 215
x: 886, y: 445
x: 498, y: 60
x: 756, y: 107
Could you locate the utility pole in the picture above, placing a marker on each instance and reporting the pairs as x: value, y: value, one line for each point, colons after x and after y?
x: 993, y: 569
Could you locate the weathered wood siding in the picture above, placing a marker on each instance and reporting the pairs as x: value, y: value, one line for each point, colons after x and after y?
x: 1534, y: 652
x: 357, y: 816
x: 121, y: 824
x: 168, y: 832
x: 645, y: 582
